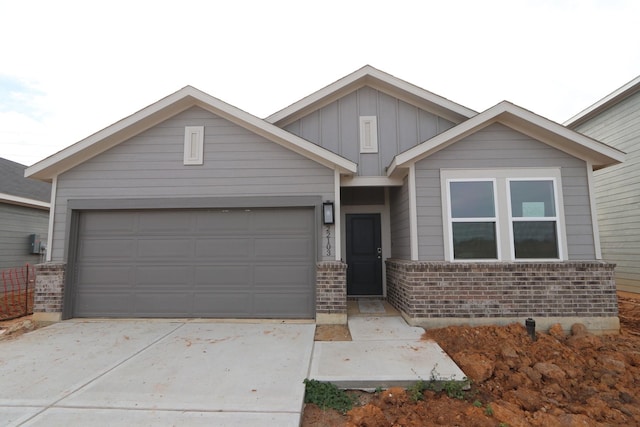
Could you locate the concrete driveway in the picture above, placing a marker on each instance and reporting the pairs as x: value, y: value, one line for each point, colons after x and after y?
x: 155, y: 372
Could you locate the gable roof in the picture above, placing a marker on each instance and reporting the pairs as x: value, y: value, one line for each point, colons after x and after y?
x: 598, y: 154
x: 605, y: 103
x: 372, y: 77
x: 167, y: 107
x: 16, y: 189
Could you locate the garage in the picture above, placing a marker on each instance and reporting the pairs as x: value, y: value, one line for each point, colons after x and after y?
x: 213, y: 263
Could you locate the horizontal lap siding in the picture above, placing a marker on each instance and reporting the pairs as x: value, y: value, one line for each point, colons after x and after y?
x: 401, y: 126
x: 498, y: 146
x: 400, y: 232
x: 150, y: 165
x: 617, y: 189
x: 16, y: 224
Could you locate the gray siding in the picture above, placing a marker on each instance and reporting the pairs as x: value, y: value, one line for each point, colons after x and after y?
x: 16, y: 224
x: 400, y: 234
x: 617, y: 190
x: 498, y: 146
x: 150, y: 165
x: 400, y: 127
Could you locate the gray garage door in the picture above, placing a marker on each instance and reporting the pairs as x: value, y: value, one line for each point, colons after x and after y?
x: 245, y: 263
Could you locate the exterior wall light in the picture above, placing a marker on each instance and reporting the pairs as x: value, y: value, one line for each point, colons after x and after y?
x: 327, y: 213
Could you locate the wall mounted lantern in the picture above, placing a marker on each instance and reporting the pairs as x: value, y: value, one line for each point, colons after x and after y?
x: 327, y: 213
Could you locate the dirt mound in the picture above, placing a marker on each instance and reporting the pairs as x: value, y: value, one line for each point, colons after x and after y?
x: 564, y: 378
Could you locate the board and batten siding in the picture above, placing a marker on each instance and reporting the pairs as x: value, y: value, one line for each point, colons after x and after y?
x: 16, y: 224
x: 401, y: 126
x: 237, y: 162
x: 617, y: 189
x: 399, y: 213
x: 498, y: 146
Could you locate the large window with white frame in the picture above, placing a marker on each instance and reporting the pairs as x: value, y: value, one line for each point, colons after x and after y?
x: 503, y: 215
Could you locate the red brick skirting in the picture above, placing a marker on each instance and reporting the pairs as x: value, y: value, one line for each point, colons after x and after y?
x: 474, y: 290
x: 331, y: 287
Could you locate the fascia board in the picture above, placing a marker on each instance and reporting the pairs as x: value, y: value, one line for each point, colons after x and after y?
x: 522, y: 120
x: 605, y: 103
x: 370, y: 76
x: 24, y: 201
x: 169, y: 106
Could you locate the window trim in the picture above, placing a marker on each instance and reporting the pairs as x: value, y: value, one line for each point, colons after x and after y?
x: 495, y: 219
x: 513, y: 219
x: 502, y: 200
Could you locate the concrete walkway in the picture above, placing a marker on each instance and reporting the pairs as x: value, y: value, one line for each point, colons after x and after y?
x: 384, y: 352
x: 155, y: 372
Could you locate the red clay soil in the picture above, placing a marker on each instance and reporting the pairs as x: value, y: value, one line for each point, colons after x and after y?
x: 564, y: 378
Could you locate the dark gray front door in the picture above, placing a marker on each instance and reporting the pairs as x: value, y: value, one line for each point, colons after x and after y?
x: 245, y: 263
x: 364, y: 254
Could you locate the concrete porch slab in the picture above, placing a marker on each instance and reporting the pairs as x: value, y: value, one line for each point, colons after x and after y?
x: 370, y: 364
x: 380, y: 328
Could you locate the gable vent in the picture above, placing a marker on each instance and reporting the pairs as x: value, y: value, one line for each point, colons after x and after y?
x: 193, y: 145
x: 368, y: 134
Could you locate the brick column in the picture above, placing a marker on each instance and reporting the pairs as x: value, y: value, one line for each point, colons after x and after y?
x: 49, y: 291
x: 331, y: 292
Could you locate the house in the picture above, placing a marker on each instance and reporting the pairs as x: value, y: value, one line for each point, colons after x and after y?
x: 615, y: 120
x: 369, y: 187
x: 24, y: 216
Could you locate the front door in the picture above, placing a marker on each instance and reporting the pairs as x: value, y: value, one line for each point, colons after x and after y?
x: 364, y: 254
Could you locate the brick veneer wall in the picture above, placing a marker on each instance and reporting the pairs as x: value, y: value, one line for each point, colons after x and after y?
x: 49, y: 288
x: 331, y: 287
x: 473, y: 290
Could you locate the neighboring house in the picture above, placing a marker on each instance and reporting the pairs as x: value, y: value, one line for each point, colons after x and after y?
x: 370, y: 187
x: 24, y: 212
x: 615, y: 120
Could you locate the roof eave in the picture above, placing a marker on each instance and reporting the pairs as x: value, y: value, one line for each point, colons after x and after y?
x: 171, y: 105
x: 595, y: 152
x: 370, y: 76
x: 605, y: 103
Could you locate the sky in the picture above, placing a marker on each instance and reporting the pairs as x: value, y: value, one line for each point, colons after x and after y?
x: 71, y: 68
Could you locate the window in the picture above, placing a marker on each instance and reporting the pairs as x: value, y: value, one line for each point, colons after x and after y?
x: 533, y: 218
x: 368, y: 134
x: 473, y: 219
x: 502, y: 215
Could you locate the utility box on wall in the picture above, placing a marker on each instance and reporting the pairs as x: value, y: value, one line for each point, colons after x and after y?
x: 34, y: 244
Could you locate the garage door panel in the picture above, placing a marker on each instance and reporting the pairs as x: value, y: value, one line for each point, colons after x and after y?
x: 282, y: 275
x: 223, y: 221
x: 163, y: 304
x: 230, y: 304
x: 244, y: 263
x: 110, y: 276
x: 99, y: 249
x: 105, y: 223
x: 102, y: 304
x: 148, y: 278
x: 218, y: 276
x: 283, y: 221
x: 289, y: 248
x: 170, y: 249
x: 293, y: 304
x: 165, y: 223
x: 223, y: 248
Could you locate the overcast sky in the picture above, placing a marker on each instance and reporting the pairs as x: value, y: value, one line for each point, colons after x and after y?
x: 71, y: 68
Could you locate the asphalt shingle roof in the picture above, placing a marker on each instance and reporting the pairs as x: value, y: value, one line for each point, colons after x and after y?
x: 12, y: 181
